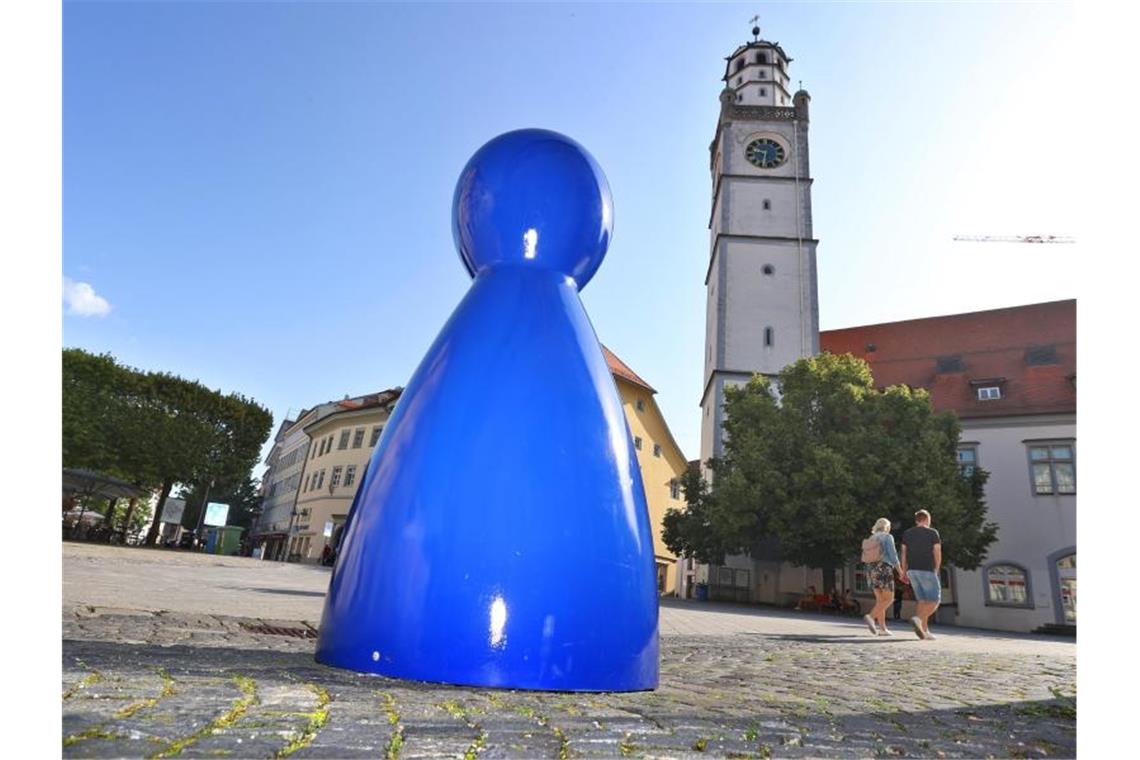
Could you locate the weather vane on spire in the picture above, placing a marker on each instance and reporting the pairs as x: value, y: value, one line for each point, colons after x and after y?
x: 755, y: 21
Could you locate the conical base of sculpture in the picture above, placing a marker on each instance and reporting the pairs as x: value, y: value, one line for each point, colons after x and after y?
x: 501, y: 536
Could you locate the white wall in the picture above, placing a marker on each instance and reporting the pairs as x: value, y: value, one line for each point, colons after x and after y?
x: 1031, y: 527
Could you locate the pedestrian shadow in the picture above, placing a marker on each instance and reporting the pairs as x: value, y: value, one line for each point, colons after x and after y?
x: 823, y: 638
x: 286, y: 591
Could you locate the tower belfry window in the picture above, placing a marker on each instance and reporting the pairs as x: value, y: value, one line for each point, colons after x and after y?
x: 769, y: 336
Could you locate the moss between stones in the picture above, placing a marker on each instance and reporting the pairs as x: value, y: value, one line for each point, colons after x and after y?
x: 317, y: 720
x: 237, y: 709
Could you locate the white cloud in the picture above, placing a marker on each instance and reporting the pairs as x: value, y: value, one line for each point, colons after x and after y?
x: 83, y: 301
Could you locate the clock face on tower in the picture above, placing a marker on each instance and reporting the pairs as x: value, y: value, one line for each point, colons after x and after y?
x: 765, y: 153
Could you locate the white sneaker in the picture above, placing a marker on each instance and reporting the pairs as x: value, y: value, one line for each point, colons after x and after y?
x: 928, y: 635
x: 885, y: 632
x: 917, y: 627
x: 870, y: 621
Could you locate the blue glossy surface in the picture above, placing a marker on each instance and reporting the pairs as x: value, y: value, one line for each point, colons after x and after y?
x: 501, y: 535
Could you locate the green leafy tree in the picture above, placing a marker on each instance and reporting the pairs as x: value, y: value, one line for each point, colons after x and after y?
x: 154, y: 428
x: 815, y: 463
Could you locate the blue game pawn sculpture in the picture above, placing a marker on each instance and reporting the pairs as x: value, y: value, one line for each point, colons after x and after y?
x: 500, y: 536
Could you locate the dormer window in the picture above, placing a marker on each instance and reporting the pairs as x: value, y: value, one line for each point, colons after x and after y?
x: 988, y: 388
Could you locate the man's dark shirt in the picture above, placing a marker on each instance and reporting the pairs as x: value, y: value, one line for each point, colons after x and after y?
x: 919, y: 542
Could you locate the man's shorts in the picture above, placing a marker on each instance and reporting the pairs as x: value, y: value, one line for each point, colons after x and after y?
x: 925, y: 585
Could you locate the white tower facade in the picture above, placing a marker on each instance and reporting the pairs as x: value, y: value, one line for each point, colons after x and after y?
x: 763, y: 304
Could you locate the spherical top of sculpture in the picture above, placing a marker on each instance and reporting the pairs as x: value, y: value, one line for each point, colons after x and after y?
x: 533, y: 198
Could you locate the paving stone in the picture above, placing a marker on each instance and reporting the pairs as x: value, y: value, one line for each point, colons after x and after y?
x: 767, y: 684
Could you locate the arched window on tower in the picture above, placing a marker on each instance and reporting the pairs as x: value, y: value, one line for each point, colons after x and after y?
x: 761, y: 58
x: 769, y: 336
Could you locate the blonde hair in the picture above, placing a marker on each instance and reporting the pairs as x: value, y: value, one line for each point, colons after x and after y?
x: 882, y: 525
x: 922, y: 516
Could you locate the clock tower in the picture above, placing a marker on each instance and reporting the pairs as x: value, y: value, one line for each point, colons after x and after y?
x: 762, y: 311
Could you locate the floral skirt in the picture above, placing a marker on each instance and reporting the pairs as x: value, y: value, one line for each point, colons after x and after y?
x: 882, y: 576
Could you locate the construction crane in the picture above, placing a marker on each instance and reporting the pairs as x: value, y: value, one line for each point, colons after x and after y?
x: 1014, y: 239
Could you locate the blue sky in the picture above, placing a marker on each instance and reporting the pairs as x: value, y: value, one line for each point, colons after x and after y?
x: 260, y: 193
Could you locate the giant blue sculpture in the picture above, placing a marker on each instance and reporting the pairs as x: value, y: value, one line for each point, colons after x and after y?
x: 500, y: 536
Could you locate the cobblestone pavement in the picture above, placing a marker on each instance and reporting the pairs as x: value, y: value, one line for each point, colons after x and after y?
x: 147, y: 683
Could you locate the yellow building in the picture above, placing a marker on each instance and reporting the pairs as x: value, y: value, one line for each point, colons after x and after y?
x: 659, y: 457
x: 340, y: 445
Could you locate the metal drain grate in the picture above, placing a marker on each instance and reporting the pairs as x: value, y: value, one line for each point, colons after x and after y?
x: 273, y: 630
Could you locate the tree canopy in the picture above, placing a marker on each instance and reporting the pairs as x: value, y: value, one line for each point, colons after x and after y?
x: 814, y: 459
x: 154, y: 428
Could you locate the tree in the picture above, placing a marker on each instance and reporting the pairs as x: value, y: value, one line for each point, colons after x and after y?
x: 815, y: 459
x: 154, y: 428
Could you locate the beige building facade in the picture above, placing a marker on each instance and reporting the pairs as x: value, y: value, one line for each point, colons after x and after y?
x: 340, y: 445
x: 658, y: 456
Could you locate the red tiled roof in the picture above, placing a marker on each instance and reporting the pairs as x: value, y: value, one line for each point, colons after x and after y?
x: 619, y: 368
x: 990, y: 344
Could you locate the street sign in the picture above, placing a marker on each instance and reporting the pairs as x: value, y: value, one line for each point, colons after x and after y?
x: 216, y: 513
x: 172, y: 510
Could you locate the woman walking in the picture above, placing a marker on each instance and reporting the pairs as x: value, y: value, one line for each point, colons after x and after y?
x: 882, y: 575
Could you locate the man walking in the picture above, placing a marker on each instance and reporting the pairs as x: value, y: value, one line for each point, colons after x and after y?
x: 921, y: 561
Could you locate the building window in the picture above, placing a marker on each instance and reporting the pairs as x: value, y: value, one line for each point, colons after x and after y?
x: 862, y: 584
x: 739, y: 64
x: 640, y: 405
x: 343, y: 444
x: 989, y: 393
x: 1007, y: 585
x: 314, y: 454
x: 767, y: 204
x: 657, y: 449
x: 769, y: 336
x: 763, y: 75
x: 768, y: 269
x: 1051, y: 468
x: 306, y: 486
x: 358, y: 438
x: 1037, y: 355
x: 637, y: 442
x: 763, y: 92
x: 967, y: 460
x: 947, y: 364
x: 375, y: 435
x: 334, y: 481
x: 349, y: 475
x: 675, y: 488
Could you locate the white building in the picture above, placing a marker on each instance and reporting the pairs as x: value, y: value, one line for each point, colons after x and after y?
x: 762, y: 309
x: 763, y: 304
x: 1010, y: 376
